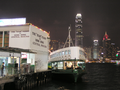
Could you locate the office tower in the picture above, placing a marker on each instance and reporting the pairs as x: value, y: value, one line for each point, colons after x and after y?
x: 101, y: 52
x: 113, y: 51
x: 95, y: 49
x: 78, y: 30
x: 53, y: 45
x: 106, y: 47
x: 88, y: 51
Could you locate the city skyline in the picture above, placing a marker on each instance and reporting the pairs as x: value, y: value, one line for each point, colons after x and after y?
x: 55, y: 16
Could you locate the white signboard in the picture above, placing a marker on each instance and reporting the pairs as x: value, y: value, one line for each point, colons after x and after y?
x: 38, y: 40
x: 4, y: 54
x: 14, y: 21
x: 19, y: 39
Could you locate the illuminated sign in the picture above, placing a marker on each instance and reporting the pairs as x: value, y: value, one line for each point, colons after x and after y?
x: 14, y: 21
x: 24, y: 56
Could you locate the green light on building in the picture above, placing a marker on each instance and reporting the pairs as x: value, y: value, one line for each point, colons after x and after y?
x: 117, y: 55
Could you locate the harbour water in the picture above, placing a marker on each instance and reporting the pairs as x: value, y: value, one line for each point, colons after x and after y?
x: 100, y: 76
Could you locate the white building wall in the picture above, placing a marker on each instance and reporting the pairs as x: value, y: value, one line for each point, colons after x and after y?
x: 41, y: 61
x: 38, y: 39
x: 30, y: 37
x: 39, y: 44
x: 19, y: 39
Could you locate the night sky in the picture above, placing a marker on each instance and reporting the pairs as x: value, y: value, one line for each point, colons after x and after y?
x: 55, y: 16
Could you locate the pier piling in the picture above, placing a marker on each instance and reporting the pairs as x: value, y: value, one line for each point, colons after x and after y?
x: 27, y: 81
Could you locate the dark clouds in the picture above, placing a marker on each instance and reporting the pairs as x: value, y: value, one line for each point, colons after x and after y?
x: 56, y: 15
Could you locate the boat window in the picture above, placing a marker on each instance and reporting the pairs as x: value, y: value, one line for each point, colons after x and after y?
x: 69, y: 52
x: 54, y: 65
x: 53, y: 55
x: 60, y: 65
x: 62, y: 52
x: 69, y: 65
x: 80, y: 63
x: 57, y: 54
x: 81, y: 52
x: 66, y: 52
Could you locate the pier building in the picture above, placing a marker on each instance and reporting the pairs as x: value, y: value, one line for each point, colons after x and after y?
x: 25, y: 36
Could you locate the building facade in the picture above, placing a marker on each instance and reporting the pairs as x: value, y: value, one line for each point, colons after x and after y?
x: 78, y: 31
x: 53, y: 45
x: 88, y: 51
x: 28, y: 37
x: 113, y: 51
x: 109, y: 50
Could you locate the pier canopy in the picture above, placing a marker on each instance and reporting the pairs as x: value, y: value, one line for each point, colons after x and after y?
x: 8, y: 51
x: 17, y: 50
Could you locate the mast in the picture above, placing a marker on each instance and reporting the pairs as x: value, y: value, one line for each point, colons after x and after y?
x: 69, y: 39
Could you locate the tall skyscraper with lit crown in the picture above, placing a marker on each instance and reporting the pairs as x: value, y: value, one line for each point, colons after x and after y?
x: 78, y: 30
x: 95, y: 49
x: 106, y: 47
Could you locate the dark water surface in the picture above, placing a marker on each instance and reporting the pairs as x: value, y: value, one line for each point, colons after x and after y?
x: 100, y: 76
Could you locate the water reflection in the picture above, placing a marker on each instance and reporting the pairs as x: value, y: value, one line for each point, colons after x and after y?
x: 99, y: 77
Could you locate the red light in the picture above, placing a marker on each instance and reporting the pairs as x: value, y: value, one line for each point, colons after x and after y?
x: 24, y: 56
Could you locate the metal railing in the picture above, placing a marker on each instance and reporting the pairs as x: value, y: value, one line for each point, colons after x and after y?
x: 9, y: 71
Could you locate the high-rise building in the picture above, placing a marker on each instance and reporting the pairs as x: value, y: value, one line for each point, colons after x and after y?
x: 53, y: 45
x: 88, y: 51
x: 101, y: 52
x: 95, y: 49
x: 78, y: 31
x: 113, y: 51
x: 106, y: 47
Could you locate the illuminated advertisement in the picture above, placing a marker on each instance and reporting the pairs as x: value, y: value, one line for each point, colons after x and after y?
x: 14, y: 21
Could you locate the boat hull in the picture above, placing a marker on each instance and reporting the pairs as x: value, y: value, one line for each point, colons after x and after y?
x: 67, y: 76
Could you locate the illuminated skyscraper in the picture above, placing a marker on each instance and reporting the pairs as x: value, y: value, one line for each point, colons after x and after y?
x: 78, y: 30
x: 95, y: 49
x: 106, y: 47
x: 88, y: 50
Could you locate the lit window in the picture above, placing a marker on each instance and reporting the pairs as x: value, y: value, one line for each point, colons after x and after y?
x: 60, y: 65
x: 58, y: 54
x: 62, y: 52
x: 69, y: 52
x: 66, y: 52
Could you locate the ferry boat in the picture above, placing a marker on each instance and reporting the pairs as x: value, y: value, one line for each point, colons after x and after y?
x: 68, y: 63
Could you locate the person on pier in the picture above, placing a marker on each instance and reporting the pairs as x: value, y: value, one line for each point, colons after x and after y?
x: 2, y: 69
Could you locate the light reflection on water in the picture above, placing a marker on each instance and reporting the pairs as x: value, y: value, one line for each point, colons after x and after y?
x: 99, y: 77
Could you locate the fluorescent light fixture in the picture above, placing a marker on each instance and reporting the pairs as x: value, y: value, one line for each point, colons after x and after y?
x: 13, y: 21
